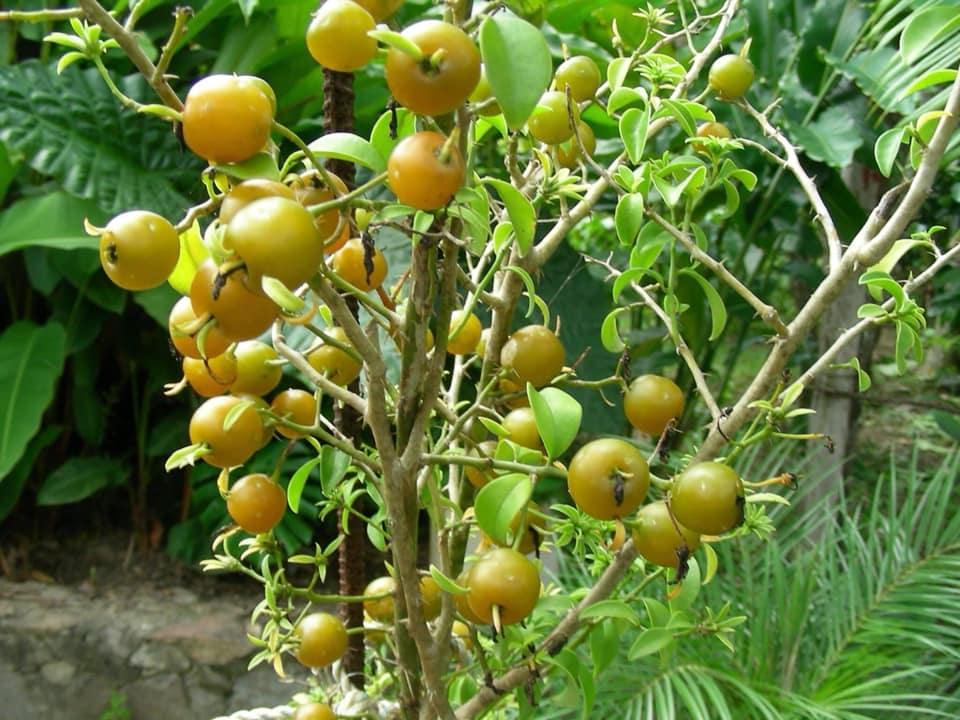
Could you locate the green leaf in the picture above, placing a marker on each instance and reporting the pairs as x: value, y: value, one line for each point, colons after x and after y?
x: 929, y: 79
x: 713, y: 562
x: 350, y: 147
x: 622, y: 97
x: 261, y: 165
x: 681, y: 112
x: 609, y: 333
x: 831, y: 138
x: 617, y: 72
x: 898, y: 250
x: 446, y: 584
x: 498, y: 502
x: 718, y: 311
x: 558, y: 417
x: 925, y: 28
x: 863, y: 379
x: 887, y: 147
x: 689, y: 588
x: 12, y: 485
x: 650, y: 641
x: 69, y: 127
x: 53, y: 220
x: 509, y: 44
x: 31, y: 360
x: 532, y: 298
x: 299, y: 480
x: 633, y: 132
x: 581, y: 676
x: 608, y: 609
x: 380, y: 135
x: 878, y: 280
x: 334, y: 464
x: 522, y: 214
x: 658, y: 613
x: 79, y: 478
x: 628, y: 217
x: 605, y: 640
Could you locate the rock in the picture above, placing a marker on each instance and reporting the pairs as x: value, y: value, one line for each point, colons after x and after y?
x: 58, y: 672
x: 166, y: 654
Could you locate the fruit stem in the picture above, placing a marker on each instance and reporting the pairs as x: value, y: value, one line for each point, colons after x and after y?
x: 346, y: 198
x: 444, y: 155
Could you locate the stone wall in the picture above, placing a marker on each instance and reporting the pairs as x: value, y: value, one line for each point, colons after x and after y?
x: 169, y: 653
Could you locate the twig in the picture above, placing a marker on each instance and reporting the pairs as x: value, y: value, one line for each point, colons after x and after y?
x: 767, y: 313
x: 792, y: 163
x: 96, y: 13
x: 871, y: 243
x: 683, y: 350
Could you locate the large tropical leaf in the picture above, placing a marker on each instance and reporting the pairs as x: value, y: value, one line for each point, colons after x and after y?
x: 71, y: 128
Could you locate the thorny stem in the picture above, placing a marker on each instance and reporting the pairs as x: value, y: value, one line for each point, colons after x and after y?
x: 871, y: 243
x: 767, y: 313
x: 792, y: 163
x: 843, y: 340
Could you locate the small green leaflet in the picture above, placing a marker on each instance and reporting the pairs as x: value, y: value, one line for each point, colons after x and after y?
x: 347, y: 146
x: 558, y: 417
x: 498, y: 502
x: 718, y: 311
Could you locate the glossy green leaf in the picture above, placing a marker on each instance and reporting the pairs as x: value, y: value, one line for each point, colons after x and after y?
x: 929, y: 79
x: 31, y: 360
x: 499, y: 501
x: 633, y: 132
x: 261, y: 165
x: 446, y: 584
x: 617, y: 71
x: 898, y: 250
x: 53, y: 220
x: 381, y: 136
x: 558, y: 417
x: 298, y: 482
x: 334, y: 464
x: 507, y: 44
x: 608, y: 609
x: 681, y: 113
x: 610, y: 333
x: 629, y: 217
x: 605, y: 641
x: 877, y: 280
x: 532, y: 297
x: 718, y: 311
x: 887, y: 147
x: 713, y: 562
x: 581, y: 676
x: 79, y: 478
x: 522, y: 214
x: 650, y: 641
x: 657, y: 612
x: 863, y: 379
x: 926, y: 27
x: 624, y: 97
x: 350, y: 147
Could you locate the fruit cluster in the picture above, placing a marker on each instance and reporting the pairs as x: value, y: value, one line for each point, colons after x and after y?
x: 283, y: 247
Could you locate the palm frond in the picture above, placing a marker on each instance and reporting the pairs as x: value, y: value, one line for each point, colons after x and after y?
x: 860, y: 625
